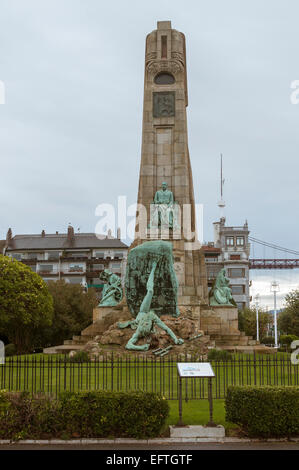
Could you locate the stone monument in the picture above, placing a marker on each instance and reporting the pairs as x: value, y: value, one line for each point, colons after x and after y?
x: 165, y: 164
x: 166, y: 213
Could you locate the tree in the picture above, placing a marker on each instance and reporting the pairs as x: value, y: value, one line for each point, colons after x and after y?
x: 288, y: 319
x: 72, y: 311
x: 247, y: 322
x: 26, y: 307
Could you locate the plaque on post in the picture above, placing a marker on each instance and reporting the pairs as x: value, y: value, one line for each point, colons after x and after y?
x: 203, y: 370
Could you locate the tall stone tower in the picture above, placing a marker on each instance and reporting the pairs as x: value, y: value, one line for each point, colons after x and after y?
x: 165, y: 162
x: 165, y: 156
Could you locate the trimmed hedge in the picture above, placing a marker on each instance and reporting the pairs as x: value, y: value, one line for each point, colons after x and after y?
x: 264, y: 411
x: 82, y: 415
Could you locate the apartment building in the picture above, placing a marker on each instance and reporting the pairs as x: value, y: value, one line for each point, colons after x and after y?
x: 78, y: 258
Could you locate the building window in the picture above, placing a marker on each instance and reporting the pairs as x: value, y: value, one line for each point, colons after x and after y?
x: 115, y: 265
x: 75, y: 280
x: 229, y: 241
x: 17, y: 256
x: 99, y: 254
x: 236, y: 272
x: 32, y: 255
x: 46, y: 268
x: 211, y: 260
x: 240, y: 241
x: 53, y: 255
x: 240, y: 305
x: 212, y: 273
x: 118, y: 254
x: 235, y: 257
x: 238, y: 289
x: 97, y: 267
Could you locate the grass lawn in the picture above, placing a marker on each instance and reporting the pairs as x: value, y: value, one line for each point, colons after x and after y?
x: 197, y: 412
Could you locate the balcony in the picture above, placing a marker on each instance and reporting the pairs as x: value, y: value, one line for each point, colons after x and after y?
x: 75, y: 269
x: 43, y: 272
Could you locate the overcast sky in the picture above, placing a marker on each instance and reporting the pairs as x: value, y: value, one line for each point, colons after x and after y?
x: 70, y: 130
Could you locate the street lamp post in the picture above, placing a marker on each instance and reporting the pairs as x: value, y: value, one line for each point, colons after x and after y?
x: 274, y: 289
x: 257, y: 302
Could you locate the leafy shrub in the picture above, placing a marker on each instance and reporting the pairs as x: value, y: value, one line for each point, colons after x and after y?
x: 10, y: 350
x: 218, y: 355
x: 268, y: 340
x: 264, y: 411
x: 287, y: 339
x: 100, y: 414
x: 82, y: 414
x: 80, y: 356
x: 23, y: 416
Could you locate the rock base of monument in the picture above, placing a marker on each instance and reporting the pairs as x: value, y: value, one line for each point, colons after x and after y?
x: 218, y: 327
x: 104, y: 335
x: 107, y: 336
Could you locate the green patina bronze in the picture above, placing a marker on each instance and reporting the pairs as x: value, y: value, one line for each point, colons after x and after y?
x: 139, y: 267
x: 112, y: 292
x: 147, y: 319
x: 163, y: 103
x: 221, y: 293
x: 164, y: 210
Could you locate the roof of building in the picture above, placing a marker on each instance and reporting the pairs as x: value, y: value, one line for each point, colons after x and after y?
x: 63, y: 242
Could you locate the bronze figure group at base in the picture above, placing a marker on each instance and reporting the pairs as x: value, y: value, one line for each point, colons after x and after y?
x: 151, y: 290
x: 146, y: 320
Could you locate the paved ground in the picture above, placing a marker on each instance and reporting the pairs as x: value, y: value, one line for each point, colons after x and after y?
x: 294, y: 446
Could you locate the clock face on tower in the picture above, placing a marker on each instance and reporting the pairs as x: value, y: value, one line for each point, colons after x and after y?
x: 164, y: 104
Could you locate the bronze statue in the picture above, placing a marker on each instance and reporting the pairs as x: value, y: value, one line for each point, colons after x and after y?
x: 112, y: 292
x: 146, y: 320
x: 162, y: 208
x: 221, y: 293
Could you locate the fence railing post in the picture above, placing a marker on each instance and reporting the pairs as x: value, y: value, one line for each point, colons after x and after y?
x: 112, y: 369
x: 64, y: 374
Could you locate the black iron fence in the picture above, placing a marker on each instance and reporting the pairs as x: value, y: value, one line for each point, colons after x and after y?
x: 127, y: 373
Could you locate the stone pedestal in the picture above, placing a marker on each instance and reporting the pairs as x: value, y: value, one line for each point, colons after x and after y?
x: 222, y: 320
x: 104, y: 317
x: 165, y: 158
